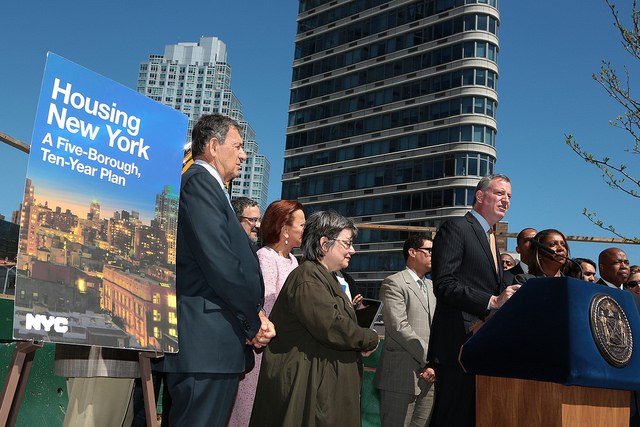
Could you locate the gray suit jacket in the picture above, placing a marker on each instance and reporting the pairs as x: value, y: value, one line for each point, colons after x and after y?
x: 407, y: 318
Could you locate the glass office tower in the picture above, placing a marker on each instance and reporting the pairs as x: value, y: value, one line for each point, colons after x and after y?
x: 392, y: 116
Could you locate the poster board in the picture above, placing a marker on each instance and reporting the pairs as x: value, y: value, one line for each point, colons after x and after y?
x: 96, y: 255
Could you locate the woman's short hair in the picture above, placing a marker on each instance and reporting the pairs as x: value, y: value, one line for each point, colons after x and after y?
x: 275, y: 217
x: 323, y: 224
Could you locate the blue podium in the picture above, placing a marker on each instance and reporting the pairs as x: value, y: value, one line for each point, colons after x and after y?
x: 561, y: 351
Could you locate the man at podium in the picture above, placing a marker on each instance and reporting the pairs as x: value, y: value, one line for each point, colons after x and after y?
x: 467, y: 276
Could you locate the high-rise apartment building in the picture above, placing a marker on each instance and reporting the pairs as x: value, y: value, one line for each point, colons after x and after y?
x: 94, y: 211
x: 29, y: 221
x: 195, y: 78
x: 392, y: 116
x: 166, y: 219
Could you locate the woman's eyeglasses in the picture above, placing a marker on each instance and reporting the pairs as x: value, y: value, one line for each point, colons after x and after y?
x: 347, y: 244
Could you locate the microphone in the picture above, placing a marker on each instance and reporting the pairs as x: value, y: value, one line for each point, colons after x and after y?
x: 550, y: 251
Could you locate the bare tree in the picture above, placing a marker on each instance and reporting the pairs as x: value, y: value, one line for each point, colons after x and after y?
x: 617, y: 175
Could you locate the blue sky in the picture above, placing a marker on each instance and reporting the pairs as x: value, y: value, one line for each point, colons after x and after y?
x: 548, y: 51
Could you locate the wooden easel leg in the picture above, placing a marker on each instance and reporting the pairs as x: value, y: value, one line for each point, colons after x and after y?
x: 147, y: 388
x: 15, y: 382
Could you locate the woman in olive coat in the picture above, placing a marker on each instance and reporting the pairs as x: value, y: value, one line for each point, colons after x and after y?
x: 311, y: 372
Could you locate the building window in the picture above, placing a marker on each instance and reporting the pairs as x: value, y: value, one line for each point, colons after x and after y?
x: 171, y: 301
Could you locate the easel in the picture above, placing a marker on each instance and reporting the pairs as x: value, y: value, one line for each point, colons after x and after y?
x: 147, y: 387
x: 18, y: 373
x: 16, y: 381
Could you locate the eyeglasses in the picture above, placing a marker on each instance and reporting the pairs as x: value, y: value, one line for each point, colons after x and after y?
x: 632, y: 283
x: 426, y: 250
x: 347, y: 244
x: 251, y: 220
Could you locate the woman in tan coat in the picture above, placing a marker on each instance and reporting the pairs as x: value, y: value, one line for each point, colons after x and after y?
x: 311, y: 373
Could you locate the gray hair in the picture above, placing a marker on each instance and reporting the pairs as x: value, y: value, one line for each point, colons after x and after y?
x: 323, y: 224
x: 485, y: 183
x: 210, y: 126
x: 239, y: 204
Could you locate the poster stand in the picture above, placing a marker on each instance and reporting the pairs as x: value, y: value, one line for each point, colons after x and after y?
x: 18, y: 374
x: 147, y: 387
x: 16, y: 380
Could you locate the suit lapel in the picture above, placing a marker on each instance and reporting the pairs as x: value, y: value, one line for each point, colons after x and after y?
x: 413, y: 287
x: 219, y: 193
x: 482, y: 239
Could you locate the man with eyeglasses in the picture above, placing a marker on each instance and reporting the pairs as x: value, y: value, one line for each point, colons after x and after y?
x: 614, y: 267
x: 404, y: 376
x: 248, y: 213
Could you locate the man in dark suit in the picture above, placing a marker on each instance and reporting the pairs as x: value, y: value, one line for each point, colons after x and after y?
x: 614, y: 267
x: 218, y: 284
x: 613, y: 264
x: 467, y: 283
x: 523, y: 243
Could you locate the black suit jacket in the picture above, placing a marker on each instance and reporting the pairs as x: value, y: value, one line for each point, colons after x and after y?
x: 602, y: 282
x: 353, y: 287
x: 464, y: 279
x: 509, y: 276
x: 218, y: 282
x: 516, y: 269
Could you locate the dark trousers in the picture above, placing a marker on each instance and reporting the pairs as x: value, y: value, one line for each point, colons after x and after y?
x: 634, y: 421
x: 201, y: 399
x: 455, y: 403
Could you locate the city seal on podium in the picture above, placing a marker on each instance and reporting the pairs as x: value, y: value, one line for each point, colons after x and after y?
x: 610, y: 329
